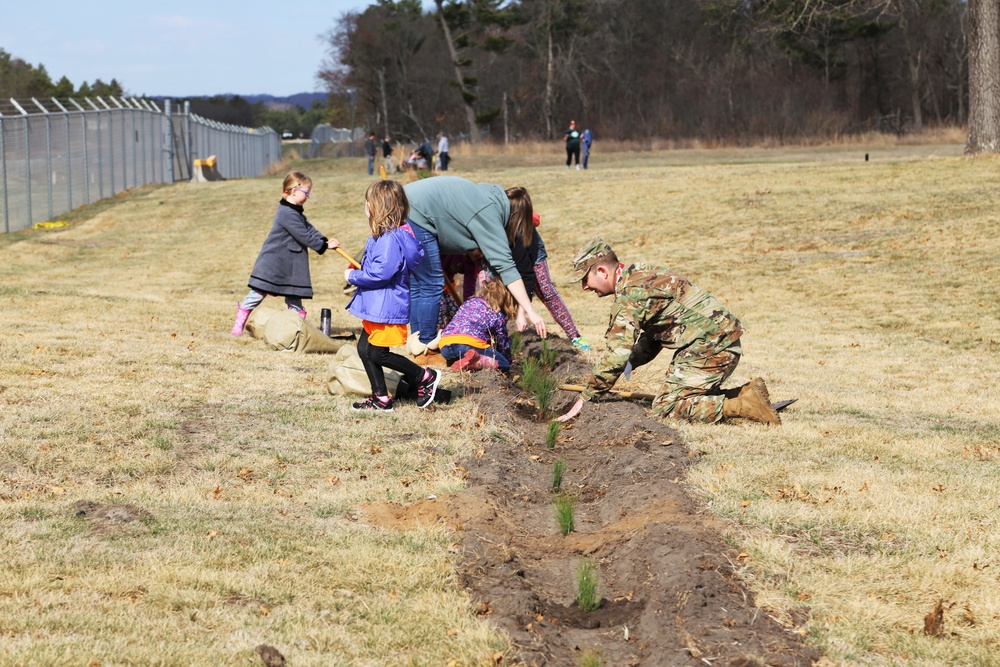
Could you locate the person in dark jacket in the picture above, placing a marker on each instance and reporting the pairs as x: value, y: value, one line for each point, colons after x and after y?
x: 371, y: 150
x: 282, y: 267
x: 382, y: 297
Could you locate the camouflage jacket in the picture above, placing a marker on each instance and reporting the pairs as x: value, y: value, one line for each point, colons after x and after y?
x: 652, y: 301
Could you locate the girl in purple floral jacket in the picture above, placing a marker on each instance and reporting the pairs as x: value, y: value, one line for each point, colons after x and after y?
x: 476, y: 337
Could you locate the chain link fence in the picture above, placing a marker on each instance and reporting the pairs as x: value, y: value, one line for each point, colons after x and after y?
x: 56, y: 156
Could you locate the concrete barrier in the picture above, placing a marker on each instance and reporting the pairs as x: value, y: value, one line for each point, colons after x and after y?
x: 206, y: 170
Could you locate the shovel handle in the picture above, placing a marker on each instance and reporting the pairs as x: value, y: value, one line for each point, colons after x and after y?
x: 624, y: 394
x: 350, y: 259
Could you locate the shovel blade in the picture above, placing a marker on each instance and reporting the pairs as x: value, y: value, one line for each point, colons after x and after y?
x: 781, y: 405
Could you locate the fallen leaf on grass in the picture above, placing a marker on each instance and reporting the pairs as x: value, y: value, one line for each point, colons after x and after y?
x: 246, y: 474
x: 934, y: 621
x: 375, y: 450
x: 212, y: 534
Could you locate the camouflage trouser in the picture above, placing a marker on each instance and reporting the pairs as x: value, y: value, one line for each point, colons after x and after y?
x: 691, y: 390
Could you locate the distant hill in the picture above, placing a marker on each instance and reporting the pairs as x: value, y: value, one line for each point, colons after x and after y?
x: 303, y: 100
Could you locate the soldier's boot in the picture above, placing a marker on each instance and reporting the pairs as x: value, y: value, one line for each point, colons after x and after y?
x: 743, y: 388
x: 751, y: 403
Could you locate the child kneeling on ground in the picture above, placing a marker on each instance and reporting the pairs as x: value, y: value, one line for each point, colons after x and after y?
x: 382, y: 298
x: 476, y: 338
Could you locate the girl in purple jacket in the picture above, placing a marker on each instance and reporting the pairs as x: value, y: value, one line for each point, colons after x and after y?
x: 382, y: 298
x: 476, y: 338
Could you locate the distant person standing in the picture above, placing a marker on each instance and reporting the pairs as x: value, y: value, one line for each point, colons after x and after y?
x: 371, y: 150
x: 587, y: 140
x: 387, y: 160
x: 572, y: 139
x: 443, y: 151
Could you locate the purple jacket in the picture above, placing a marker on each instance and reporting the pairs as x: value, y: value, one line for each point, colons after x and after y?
x: 383, y: 281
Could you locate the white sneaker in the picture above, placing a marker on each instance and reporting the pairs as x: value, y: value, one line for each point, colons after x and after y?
x: 578, y: 167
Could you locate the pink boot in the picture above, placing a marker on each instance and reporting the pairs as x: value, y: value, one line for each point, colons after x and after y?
x: 468, y: 362
x: 241, y: 321
x: 301, y: 313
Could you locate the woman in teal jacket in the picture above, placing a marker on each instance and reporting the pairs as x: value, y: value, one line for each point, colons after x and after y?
x: 451, y: 215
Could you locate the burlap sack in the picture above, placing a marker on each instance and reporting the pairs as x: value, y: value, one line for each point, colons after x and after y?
x: 347, y: 376
x: 285, y: 330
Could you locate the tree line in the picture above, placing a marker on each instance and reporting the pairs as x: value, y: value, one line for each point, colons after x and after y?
x: 21, y: 80
x: 719, y: 70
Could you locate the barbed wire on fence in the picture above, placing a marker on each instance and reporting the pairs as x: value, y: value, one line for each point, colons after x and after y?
x: 58, y: 155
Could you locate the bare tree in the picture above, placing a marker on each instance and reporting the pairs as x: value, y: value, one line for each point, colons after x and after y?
x: 984, y: 77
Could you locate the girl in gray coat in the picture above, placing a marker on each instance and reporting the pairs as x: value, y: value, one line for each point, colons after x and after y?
x: 282, y: 267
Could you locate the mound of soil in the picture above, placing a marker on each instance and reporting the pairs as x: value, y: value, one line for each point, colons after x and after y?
x: 666, y: 575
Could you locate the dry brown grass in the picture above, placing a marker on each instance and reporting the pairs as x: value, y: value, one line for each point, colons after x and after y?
x: 869, y: 291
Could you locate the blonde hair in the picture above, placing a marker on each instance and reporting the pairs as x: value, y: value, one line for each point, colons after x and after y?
x: 520, y: 223
x: 387, y: 206
x: 295, y: 179
x: 498, y: 297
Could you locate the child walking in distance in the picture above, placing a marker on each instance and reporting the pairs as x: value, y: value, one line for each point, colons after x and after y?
x: 282, y: 267
x: 382, y: 297
x: 476, y: 338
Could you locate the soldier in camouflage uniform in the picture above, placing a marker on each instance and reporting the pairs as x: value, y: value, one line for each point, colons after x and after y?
x: 656, y: 309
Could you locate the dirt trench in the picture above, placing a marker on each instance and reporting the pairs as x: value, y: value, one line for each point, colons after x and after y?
x: 666, y: 575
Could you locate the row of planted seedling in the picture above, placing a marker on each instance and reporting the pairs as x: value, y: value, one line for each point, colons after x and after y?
x: 537, y: 381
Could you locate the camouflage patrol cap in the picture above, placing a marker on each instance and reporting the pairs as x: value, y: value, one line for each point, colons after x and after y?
x: 589, y: 255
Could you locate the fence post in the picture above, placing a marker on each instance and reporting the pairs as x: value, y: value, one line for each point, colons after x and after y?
x: 86, y: 164
x: 48, y: 153
x: 69, y: 156
x: 170, y: 140
x: 187, y: 134
x: 27, y: 155
x: 100, y: 151
x: 3, y: 177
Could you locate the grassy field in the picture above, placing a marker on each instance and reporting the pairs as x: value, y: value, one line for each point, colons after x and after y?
x: 223, y: 479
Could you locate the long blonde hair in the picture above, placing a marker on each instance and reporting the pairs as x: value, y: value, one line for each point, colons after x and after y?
x: 520, y: 223
x: 498, y: 297
x: 387, y: 206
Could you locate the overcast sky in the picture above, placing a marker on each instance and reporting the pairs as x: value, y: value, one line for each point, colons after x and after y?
x: 177, y: 48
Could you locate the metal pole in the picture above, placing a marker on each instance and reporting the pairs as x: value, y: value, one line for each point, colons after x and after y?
x: 86, y: 163
x: 69, y: 157
x: 187, y: 134
x: 111, y: 144
x: 48, y: 153
x: 27, y: 155
x: 3, y: 176
x: 170, y: 141
x: 100, y: 152
x: 142, y: 131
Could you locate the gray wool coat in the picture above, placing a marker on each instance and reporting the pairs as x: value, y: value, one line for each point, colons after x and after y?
x: 282, y: 267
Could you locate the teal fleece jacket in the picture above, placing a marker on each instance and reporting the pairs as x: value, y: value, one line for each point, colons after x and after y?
x: 463, y: 216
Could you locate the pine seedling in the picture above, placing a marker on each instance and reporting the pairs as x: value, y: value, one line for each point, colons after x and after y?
x: 591, y: 658
x: 552, y: 434
x: 547, y: 355
x: 564, y: 514
x: 558, y: 468
x: 516, y: 343
x: 587, y: 581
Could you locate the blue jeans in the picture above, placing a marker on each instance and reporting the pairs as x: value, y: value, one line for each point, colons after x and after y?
x: 426, y: 286
x: 453, y: 353
x: 371, y: 165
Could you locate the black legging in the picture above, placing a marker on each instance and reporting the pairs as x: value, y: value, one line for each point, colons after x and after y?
x: 571, y: 152
x: 373, y: 358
